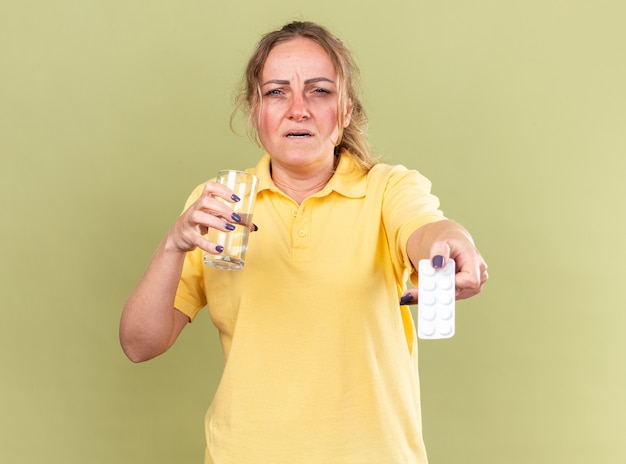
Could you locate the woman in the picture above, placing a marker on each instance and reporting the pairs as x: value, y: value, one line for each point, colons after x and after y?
x: 320, y: 360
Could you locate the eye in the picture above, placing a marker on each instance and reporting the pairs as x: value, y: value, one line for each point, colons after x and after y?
x: 321, y: 91
x: 273, y: 92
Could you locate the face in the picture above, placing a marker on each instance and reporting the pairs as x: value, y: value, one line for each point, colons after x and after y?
x: 297, y: 117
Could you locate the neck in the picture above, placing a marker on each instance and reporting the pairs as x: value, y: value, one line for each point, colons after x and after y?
x: 299, y: 185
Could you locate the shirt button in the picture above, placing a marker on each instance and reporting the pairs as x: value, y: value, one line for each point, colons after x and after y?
x: 302, y: 233
x: 294, y: 213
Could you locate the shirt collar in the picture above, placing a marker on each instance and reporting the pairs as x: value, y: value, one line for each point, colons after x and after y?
x: 349, y: 180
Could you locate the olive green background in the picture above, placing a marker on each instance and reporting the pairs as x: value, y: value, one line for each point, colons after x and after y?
x: 112, y: 111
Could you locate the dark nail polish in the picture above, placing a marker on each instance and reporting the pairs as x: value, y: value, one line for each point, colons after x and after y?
x: 235, y: 197
x: 406, y: 299
x: 438, y: 262
x: 255, y: 227
x: 230, y: 227
x: 236, y: 217
x: 219, y: 248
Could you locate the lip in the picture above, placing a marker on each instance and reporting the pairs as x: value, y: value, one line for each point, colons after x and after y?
x: 297, y: 134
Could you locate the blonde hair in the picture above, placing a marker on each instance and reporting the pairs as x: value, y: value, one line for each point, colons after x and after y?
x: 352, y: 138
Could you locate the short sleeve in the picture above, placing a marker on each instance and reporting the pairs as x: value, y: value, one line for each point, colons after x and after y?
x: 408, y: 205
x: 190, y: 295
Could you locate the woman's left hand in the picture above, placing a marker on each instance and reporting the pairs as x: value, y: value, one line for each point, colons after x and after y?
x: 446, y: 240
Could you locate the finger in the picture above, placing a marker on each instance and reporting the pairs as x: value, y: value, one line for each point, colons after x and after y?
x: 409, y: 297
x: 202, y: 221
x: 439, y: 254
x: 471, y: 278
x: 215, y: 199
x: 209, y: 247
x: 216, y: 206
x: 198, y: 234
x: 468, y: 278
x: 463, y: 293
x: 219, y: 190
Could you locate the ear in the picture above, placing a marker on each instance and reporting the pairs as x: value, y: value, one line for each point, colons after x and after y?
x: 347, y: 116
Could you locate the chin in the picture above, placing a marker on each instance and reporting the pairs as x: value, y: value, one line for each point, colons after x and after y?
x: 305, y: 157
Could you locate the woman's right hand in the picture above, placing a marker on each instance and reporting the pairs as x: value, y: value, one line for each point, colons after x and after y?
x: 191, y: 227
x: 150, y: 324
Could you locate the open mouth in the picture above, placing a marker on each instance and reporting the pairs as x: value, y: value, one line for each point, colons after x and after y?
x: 298, y: 135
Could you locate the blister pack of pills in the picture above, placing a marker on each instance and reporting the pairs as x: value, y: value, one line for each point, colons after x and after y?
x: 435, y: 306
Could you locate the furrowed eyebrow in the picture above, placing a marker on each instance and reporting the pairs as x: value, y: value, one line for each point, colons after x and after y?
x: 318, y: 79
x: 308, y: 81
x: 275, y: 81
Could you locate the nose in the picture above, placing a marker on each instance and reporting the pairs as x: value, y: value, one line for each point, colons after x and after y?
x: 299, y: 108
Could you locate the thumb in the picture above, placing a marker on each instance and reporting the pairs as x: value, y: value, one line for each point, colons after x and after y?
x: 439, y: 254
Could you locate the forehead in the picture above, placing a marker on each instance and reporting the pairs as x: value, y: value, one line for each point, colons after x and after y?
x: 300, y: 55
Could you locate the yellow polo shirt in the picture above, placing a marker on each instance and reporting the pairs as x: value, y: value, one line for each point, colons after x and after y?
x: 320, y: 360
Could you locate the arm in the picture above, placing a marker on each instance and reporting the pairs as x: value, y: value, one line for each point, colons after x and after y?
x: 150, y: 324
x: 447, y: 239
